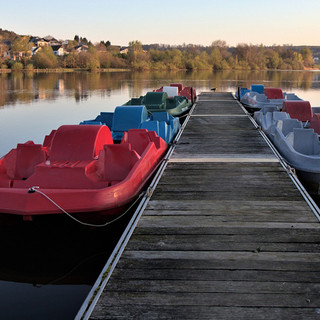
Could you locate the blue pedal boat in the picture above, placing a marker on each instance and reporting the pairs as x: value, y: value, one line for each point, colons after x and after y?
x: 136, y: 117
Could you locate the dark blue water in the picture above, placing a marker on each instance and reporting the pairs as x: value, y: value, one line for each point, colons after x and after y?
x: 48, y: 266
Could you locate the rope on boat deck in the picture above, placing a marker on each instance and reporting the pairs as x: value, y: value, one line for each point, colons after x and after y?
x: 36, y: 189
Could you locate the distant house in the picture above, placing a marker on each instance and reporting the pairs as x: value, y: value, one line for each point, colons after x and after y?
x: 6, y: 54
x: 4, y: 49
x: 81, y: 48
x: 35, y: 50
x: 18, y: 56
x: 52, y: 41
x: 58, y: 50
x: 39, y: 42
x: 124, y: 50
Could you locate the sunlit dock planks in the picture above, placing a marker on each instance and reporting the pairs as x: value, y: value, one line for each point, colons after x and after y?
x: 226, y: 234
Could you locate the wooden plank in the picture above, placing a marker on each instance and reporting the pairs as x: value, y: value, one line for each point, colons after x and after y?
x: 221, y: 260
x: 198, y: 286
x: 217, y: 96
x: 248, y: 243
x: 203, y: 312
x: 188, y: 221
x: 217, y: 275
x: 163, y: 193
x: 299, y: 207
x: 212, y: 299
x: 295, y: 235
x: 217, y: 216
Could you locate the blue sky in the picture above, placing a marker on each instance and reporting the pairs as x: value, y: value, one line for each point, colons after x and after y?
x: 168, y: 22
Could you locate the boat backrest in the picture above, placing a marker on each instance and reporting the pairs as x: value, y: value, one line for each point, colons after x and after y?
x: 265, y: 109
x: 243, y: 91
x: 290, y: 96
x: 139, y: 139
x: 315, y: 123
x: 273, y: 93
x: 165, y: 132
x: 116, y: 161
x: 98, y: 123
x: 300, y: 110
x: 178, y: 85
x: 158, y: 90
x: 171, y: 91
x: 257, y: 88
x: 105, y: 118
x: 189, y: 93
x: 315, y: 110
x: 287, y: 125
x: 155, y: 99
x: 305, y: 141
x: 175, y: 124
x: 161, y: 116
x: 48, y: 141
x: 20, y: 162
x: 128, y: 117
x: 278, y: 115
x: 151, y: 126
x: 135, y: 101
x: 79, y: 142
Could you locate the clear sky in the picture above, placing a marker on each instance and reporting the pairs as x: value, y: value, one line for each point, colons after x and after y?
x: 172, y: 22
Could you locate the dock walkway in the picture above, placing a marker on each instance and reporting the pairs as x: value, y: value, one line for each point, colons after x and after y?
x: 226, y: 234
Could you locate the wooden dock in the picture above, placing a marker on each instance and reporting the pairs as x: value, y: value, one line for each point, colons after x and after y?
x: 226, y: 234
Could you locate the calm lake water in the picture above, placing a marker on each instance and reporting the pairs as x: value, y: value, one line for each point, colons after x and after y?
x: 31, y: 105
x: 47, y: 268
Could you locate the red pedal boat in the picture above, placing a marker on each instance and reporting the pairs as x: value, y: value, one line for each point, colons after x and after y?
x: 188, y: 92
x: 80, y: 170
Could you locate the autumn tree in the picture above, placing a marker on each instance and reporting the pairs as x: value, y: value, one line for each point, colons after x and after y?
x: 45, y: 59
x: 307, y: 57
x: 273, y: 60
x: 93, y: 62
x: 137, y: 57
x: 21, y: 48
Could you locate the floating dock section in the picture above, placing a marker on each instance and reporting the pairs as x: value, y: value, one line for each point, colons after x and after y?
x: 227, y: 233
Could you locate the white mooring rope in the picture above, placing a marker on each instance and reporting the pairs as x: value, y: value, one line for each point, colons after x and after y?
x: 36, y: 189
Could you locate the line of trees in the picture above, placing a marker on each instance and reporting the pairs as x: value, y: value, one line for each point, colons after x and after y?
x: 218, y: 56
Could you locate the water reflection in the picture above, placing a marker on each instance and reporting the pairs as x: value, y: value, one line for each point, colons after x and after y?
x: 49, y: 266
x: 21, y: 87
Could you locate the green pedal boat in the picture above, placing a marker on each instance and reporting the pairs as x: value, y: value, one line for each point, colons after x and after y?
x: 160, y: 102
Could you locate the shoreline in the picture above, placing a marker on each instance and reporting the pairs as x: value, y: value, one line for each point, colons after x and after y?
x: 67, y: 70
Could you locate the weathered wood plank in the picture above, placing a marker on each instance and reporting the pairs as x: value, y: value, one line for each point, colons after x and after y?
x: 225, y: 215
x: 243, y: 206
x: 212, y: 299
x: 217, y: 275
x: 216, y: 194
x: 184, y: 312
x: 196, y: 286
x: 233, y: 263
x: 206, y: 222
x: 196, y: 256
x: 220, y: 243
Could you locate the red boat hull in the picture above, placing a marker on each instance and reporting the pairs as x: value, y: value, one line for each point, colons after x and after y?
x: 105, y: 178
